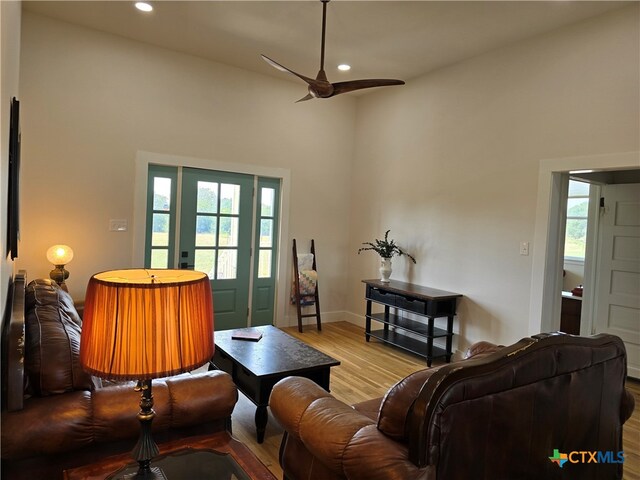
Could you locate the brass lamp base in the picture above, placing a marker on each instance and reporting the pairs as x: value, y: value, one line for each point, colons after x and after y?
x: 146, y: 449
x: 59, y: 274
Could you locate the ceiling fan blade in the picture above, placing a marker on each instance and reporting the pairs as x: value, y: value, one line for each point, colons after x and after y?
x: 320, y: 86
x: 305, y: 98
x: 282, y: 68
x: 344, y: 87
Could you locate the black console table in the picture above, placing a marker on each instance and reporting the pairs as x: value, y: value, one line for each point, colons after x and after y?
x: 415, y: 336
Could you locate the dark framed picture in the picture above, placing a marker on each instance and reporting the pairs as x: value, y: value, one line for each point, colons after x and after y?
x: 13, y: 214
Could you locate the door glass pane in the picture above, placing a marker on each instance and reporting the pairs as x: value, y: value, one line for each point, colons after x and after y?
x: 264, y: 264
x: 207, y: 197
x: 206, y: 231
x: 228, y: 236
x: 159, y: 258
x: 230, y: 198
x: 577, y: 207
x: 205, y: 261
x: 160, y: 230
x: 266, y: 202
x: 227, y: 264
x: 578, y: 188
x: 266, y: 233
x: 161, y: 193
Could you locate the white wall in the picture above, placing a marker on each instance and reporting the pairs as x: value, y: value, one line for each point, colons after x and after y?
x: 92, y: 100
x: 10, y: 59
x: 450, y: 162
x: 573, y: 275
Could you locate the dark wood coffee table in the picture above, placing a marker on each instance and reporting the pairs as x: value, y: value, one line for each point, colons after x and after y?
x: 257, y: 366
x: 207, y: 457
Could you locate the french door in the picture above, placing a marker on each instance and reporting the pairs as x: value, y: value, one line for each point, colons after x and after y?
x: 266, y: 246
x: 223, y: 224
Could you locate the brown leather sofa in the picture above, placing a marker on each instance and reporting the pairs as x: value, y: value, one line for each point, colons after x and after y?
x: 63, y: 417
x: 498, y: 415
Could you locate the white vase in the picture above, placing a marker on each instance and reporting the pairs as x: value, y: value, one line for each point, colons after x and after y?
x: 385, y: 270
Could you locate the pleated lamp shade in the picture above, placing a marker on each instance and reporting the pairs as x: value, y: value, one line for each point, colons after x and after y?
x: 140, y: 324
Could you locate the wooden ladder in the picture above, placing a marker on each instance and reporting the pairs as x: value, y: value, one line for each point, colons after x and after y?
x: 305, y: 300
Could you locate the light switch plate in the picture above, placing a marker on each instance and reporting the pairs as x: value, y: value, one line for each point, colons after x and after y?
x: 118, y: 225
x: 524, y: 248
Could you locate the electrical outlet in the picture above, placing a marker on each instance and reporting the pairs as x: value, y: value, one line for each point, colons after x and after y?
x: 524, y: 248
x: 118, y: 225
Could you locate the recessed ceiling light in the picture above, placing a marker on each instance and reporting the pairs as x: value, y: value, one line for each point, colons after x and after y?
x: 144, y: 6
x: 344, y: 67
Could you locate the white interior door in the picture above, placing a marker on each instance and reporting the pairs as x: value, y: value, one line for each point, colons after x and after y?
x: 617, y: 309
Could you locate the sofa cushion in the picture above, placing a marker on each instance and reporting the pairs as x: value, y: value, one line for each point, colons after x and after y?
x: 53, y: 329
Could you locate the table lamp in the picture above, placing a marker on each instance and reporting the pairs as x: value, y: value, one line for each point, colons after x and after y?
x: 59, y: 255
x: 141, y: 324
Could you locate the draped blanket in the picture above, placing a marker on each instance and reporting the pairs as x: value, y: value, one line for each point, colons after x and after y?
x: 307, y: 278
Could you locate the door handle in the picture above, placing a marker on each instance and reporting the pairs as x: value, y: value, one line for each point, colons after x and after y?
x: 185, y: 265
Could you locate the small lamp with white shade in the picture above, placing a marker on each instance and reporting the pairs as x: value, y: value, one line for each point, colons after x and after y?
x: 59, y: 256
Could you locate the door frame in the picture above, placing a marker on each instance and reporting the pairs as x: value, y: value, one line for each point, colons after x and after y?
x: 548, y: 241
x: 144, y: 159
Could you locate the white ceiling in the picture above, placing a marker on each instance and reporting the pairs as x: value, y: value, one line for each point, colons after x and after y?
x: 380, y: 39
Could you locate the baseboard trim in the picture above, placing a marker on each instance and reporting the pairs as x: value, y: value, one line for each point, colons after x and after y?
x: 291, y: 320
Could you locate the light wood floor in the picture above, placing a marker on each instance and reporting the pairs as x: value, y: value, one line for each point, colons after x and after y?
x: 631, y: 436
x: 366, y: 371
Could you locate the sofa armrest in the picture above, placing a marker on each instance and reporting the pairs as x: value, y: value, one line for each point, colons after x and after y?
x: 68, y: 421
x: 180, y: 401
x: 47, y: 425
x: 347, y: 442
x: 371, y: 455
x: 627, y: 406
x: 309, y: 413
x: 201, y: 397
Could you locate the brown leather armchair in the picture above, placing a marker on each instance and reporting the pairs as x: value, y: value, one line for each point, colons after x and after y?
x: 500, y: 414
x: 62, y: 417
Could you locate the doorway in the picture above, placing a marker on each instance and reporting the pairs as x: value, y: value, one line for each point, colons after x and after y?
x: 580, y: 237
x: 214, y: 222
x: 548, y: 252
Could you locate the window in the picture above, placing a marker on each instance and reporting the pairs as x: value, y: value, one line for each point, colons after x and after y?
x: 217, y: 229
x: 265, y: 245
x: 577, y: 213
x: 161, y: 200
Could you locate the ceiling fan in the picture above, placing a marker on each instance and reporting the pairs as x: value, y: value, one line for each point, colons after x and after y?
x: 320, y: 87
